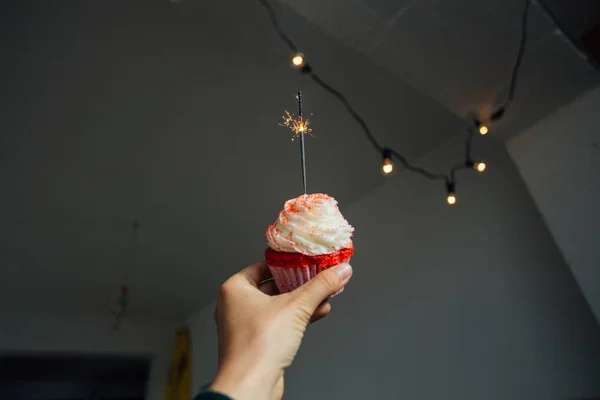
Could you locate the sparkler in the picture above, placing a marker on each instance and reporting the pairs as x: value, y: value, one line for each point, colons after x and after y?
x: 302, y: 132
x: 300, y: 127
x: 296, y: 125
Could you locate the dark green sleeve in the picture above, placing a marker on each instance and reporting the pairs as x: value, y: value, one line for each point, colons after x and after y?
x: 211, y: 396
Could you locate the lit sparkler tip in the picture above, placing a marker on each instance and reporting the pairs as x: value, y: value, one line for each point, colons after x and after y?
x: 296, y: 124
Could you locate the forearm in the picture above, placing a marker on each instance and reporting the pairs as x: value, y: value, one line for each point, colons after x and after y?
x: 241, y: 382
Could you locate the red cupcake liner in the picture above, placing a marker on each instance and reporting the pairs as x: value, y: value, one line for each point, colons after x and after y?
x: 292, y: 270
x: 288, y: 279
x: 298, y: 260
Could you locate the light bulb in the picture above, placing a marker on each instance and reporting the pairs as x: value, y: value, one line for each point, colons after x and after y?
x: 298, y: 60
x: 480, y: 166
x: 451, y: 199
x: 388, y: 166
x: 483, y: 129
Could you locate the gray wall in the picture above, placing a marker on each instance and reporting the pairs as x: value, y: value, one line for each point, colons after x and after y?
x: 466, y: 302
x: 204, y: 346
x: 559, y: 160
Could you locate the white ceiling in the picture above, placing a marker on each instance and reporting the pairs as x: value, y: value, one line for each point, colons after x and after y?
x: 167, y: 113
x: 461, y: 53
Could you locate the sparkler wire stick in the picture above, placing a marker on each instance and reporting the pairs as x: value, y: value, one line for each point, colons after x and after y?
x: 302, y: 151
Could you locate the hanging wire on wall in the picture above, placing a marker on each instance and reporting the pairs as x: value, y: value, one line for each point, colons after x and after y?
x: 119, y: 309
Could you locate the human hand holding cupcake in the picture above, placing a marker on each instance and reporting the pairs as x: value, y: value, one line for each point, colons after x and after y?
x: 259, y: 333
x: 309, y: 236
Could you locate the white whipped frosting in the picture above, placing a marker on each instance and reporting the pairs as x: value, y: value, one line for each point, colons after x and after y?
x: 311, y: 224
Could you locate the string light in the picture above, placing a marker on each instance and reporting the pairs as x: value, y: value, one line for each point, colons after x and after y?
x: 298, y: 60
x: 388, y: 165
x: 481, y: 127
x: 479, y: 166
x: 389, y: 154
x: 451, y: 198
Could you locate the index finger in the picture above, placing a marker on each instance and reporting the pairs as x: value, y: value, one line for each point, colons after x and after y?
x: 255, y: 274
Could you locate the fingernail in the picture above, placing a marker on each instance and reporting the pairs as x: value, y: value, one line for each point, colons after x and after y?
x: 343, y: 270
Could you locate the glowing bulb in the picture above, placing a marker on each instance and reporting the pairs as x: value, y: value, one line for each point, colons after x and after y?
x: 451, y: 199
x: 480, y: 166
x: 483, y: 129
x: 388, y: 166
x: 298, y: 60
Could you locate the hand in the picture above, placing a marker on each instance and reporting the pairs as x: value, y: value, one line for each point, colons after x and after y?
x: 260, y: 331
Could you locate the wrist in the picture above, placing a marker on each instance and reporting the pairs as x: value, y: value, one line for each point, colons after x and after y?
x: 244, y: 381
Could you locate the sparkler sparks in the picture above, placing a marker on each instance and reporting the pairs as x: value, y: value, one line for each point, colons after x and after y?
x: 296, y: 124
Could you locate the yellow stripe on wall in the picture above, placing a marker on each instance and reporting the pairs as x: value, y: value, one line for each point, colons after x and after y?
x: 179, y: 380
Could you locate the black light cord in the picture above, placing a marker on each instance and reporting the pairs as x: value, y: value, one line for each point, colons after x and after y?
x: 388, y: 153
x: 429, y: 175
x: 277, y: 27
x: 348, y: 106
x: 469, y: 145
x: 499, y: 113
x: 520, y: 53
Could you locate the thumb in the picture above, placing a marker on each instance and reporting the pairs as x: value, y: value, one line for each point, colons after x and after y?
x: 326, y: 283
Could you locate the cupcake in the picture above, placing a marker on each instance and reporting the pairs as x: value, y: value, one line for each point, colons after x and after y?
x: 309, y: 236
